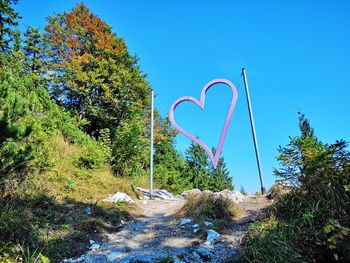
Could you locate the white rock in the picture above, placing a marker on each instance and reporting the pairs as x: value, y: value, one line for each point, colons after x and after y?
x: 78, y: 260
x: 187, y: 193
x: 208, y: 192
x: 95, y: 246
x: 119, y: 197
x: 185, y: 221
x: 212, y: 237
x: 159, y: 194
x: 233, y: 195
x: 195, y: 226
x: 207, y: 223
x: 114, y: 255
x: 92, y: 242
x: 88, y: 210
x: 195, y: 230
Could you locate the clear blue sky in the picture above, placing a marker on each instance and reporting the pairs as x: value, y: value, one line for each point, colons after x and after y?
x: 297, y: 56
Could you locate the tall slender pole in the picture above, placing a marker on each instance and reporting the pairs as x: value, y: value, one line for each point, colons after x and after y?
x: 151, y: 150
x: 263, y: 190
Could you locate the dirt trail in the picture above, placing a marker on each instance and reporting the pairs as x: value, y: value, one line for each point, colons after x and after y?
x: 155, y: 235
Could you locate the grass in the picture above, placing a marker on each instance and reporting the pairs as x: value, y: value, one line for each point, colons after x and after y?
x: 298, y: 229
x: 48, y: 214
x: 207, y: 206
x: 271, y: 240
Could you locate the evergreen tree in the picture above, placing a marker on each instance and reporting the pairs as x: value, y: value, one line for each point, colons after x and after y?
x: 168, y: 162
x: 220, y: 177
x: 197, y: 166
x: 33, y: 49
x: 17, y: 42
x: 8, y: 20
x: 201, y: 172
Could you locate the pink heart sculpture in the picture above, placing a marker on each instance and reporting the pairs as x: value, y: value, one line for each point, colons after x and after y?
x: 213, y: 157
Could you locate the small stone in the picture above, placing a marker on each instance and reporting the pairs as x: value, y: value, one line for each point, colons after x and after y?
x: 114, y: 255
x: 81, y: 259
x: 207, y: 223
x: 88, y: 210
x: 212, y: 237
x: 204, y: 252
x: 195, y: 226
x: 92, y: 241
x: 195, y: 230
x: 185, y: 221
x: 95, y: 246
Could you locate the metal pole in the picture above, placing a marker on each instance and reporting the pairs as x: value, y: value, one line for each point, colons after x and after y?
x: 263, y: 190
x: 151, y: 150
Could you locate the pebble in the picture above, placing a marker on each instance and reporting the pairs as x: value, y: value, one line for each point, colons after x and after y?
x: 212, y: 237
x: 114, y: 255
x: 207, y: 223
x: 95, y: 246
x: 185, y: 221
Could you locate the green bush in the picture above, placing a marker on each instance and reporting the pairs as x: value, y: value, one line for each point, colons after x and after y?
x: 312, y: 219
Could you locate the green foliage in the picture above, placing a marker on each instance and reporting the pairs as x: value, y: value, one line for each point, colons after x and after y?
x: 130, y: 150
x: 201, y: 174
x: 312, y: 218
x: 100, y: 74
x: 8, y: 20
x: 20, y: 150
x: 33, y: 50
x: 169, y: 165
x: 74, y: 106
x: 39, y: 226
x: 27, y: 119
x: 100, y: 83
x: 220, y: 177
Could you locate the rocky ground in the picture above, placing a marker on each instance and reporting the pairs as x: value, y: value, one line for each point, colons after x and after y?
x: 158, y: 234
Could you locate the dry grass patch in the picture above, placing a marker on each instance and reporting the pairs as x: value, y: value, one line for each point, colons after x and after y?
x: 207, y: 206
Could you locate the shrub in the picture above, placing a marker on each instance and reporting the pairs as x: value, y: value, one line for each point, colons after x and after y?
x: 312, y: 218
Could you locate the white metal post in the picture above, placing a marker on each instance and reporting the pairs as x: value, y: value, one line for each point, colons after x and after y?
x: 263, y: 190
x: 151, y: 150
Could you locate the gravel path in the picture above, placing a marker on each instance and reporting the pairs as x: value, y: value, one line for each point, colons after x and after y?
x: 155, y: 235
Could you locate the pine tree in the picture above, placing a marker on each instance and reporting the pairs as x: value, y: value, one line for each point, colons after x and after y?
x: 33, y: 49
x: 201, y: 172
x: 8, y: 20
x: 220, y: 177
x: 197, y: 166
x: 169, y: 164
